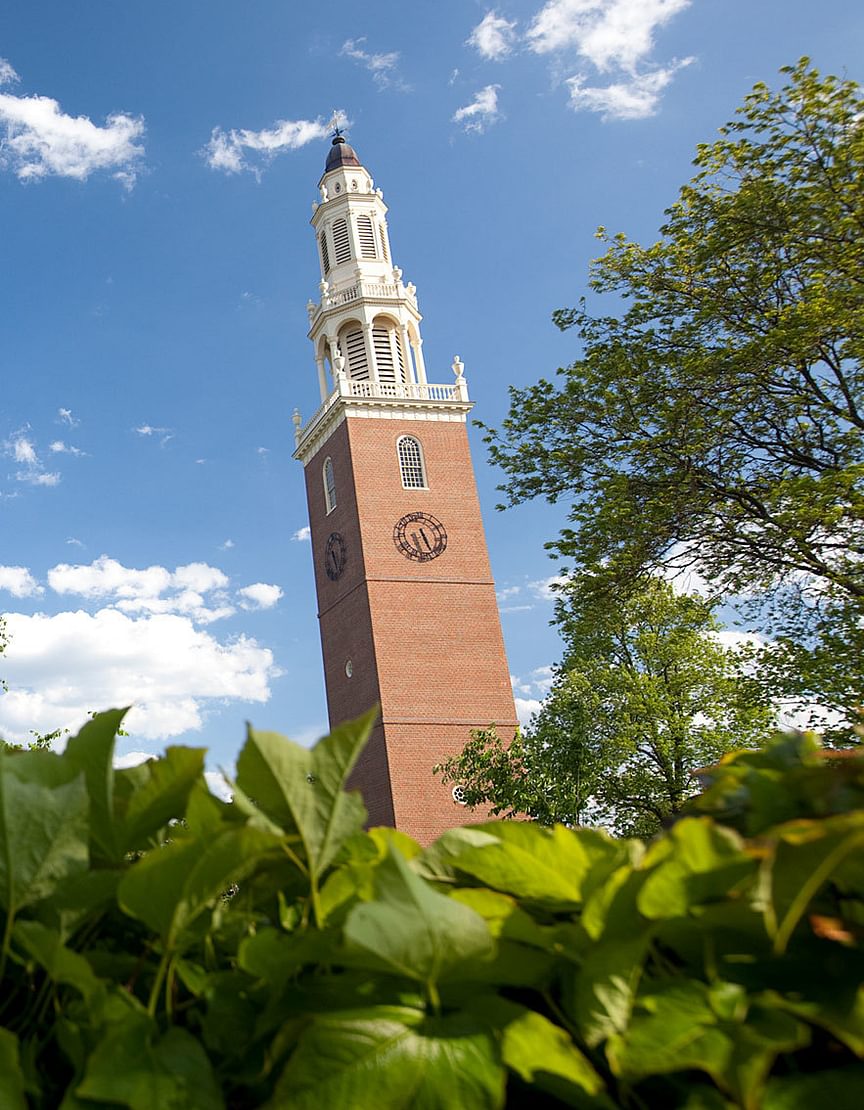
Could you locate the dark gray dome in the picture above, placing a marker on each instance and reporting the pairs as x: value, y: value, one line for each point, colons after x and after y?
x: 341, y: 154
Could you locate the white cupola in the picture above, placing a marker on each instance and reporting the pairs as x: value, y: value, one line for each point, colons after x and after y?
x: 366, y: 326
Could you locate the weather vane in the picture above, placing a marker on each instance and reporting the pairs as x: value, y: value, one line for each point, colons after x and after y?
x: 336, y: 131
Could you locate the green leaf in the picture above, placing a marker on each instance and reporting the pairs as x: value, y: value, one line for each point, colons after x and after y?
x: 171, y: 886
x: 390, y: 1057
x: 302, y: 789
x: 11, y: 1079
x: 92, y: 751
x: 544, y: 1055
x: 838, y: 1088
x: 412, y: 930
x: 806, y: 855
x: 43, y: 829
x: 61, y: 963
x: 677, y: 1029
x: 700, y: 862
x: 547, y: 866
x: 134, y: 1067
x: 150, y: 795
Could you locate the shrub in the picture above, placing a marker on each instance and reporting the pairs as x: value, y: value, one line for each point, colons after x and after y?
x: 162, y: 948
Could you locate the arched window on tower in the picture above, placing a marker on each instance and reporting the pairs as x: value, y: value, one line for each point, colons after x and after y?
x: 366, y: 236
x: 341, y: 241
x: 329, y: 485
x: 411, y: 462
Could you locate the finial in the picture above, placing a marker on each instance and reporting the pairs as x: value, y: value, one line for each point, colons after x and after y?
x: 458, y: 367
x: 298, y: 421
x: 338, y: 132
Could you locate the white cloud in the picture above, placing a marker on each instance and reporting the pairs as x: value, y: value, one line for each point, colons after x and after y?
x: 148, y: 430
x: 526, y: 708
x: 75, y: 542
x: 636, y: 98
x: 545, y: 588
x: 22, y: 450
x: 493, y: 37
x: 259, y: 595
x: 38, y: 478
x: 38, y: 140
x: 64, y: 416
x: 608, y: 33
x: 302, y: 534
x: 131, y: 759
x: 8, y: 76
x: 60, y: 667
x: 218, y: 786
x: 229, y: 150
x: 154, y: 589
x: 481, y: 112
x: 19, y: 582
x: 381, y: 66
x: 58, y: 447
x: 227, y: 545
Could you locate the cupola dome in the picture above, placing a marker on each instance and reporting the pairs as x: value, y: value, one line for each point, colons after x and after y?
x: 341, y: 154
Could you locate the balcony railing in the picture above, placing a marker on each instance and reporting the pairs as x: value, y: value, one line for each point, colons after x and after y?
x: 370, y: 390
x: 371, y: 290
x: 426, y: 391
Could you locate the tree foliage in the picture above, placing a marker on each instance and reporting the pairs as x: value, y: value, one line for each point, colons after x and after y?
x: 717, y: 420
x: 646, y: 694
x: 161, y: 948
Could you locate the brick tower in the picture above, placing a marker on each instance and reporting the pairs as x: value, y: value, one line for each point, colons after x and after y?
x: 405, y: 593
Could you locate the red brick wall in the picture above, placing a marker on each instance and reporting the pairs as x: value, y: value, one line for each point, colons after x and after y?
x: 424, y: 639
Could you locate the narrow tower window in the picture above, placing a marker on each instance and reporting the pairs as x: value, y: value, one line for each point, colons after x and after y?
x: 384, y: 253
x: 341, y: 242
x: 329, y: 485
x: 411, y: 462
x: 366, y: 235
x: 325, y: 254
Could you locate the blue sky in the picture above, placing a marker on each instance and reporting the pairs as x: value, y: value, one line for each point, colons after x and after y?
x: 158, y: 161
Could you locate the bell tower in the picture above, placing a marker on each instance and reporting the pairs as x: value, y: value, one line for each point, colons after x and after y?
x: 406, y: 601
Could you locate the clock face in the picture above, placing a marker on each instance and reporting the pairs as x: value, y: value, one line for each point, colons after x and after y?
x: 420, y: 537
x: 334, y: 556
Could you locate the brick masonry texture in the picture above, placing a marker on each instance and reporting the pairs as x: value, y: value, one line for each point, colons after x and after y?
x: 424, y: 639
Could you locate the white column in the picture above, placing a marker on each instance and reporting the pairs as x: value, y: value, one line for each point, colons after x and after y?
x: 406, y: 354
x: 421, y: 365
x: 322, y: 378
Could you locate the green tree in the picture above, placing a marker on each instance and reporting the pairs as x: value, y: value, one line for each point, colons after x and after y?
x: 717, y: 421
x: 645, y: 695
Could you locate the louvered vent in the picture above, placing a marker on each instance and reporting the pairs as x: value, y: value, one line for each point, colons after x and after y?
x: 355, y: 348
x: 384, y: 253
x: 341, y: 242
x: 325, y: 254
x: 366, y: 235
x: 383, y: 355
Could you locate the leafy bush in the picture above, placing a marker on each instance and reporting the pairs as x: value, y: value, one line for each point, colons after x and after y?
x: 163, y: 949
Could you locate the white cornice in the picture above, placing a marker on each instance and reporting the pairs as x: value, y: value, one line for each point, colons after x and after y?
x: 336, y: 409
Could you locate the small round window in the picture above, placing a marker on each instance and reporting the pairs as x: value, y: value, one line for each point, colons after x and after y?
x: 349, y: 668
x: 459, y: 797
